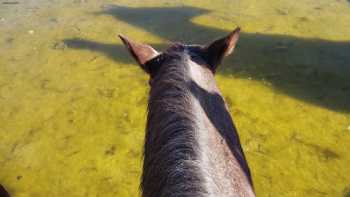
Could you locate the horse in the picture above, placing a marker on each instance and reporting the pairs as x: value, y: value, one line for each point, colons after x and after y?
x: 191, y: 145
x: 3, y: 192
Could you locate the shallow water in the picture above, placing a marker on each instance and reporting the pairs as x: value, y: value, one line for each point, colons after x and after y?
x: 73, y: 103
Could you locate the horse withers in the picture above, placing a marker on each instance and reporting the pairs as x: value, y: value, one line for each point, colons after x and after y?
x: 191, y: 146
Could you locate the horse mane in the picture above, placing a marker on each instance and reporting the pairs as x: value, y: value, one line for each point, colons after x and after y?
x: 171, y: 166
x: 173, y: 158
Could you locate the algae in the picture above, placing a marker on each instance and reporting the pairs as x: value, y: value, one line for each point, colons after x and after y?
x: 73, y: 103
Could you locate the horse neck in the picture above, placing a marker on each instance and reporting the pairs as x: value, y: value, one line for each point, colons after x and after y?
x: 188, y: 128
x: 222, y: 159
x: 171, y: 162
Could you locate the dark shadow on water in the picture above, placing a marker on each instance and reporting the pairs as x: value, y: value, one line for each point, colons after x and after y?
x: 313, y: 70
x: 347, y: 192
x: 113, y: 51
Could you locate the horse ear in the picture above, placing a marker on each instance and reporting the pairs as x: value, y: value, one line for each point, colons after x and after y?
x: 221, y: 48
x: 141, y: 52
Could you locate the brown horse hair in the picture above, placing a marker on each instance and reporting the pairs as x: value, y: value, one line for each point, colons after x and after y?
x: 191, y: 146
x: 172, y: 164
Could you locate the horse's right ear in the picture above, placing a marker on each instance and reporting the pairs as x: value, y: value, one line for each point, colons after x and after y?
x: 141, y: 52
x: 221, y: 48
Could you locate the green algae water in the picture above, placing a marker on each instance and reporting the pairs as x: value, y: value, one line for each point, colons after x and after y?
x: 73, y: 103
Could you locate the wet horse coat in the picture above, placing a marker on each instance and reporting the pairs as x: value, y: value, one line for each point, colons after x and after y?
x: 191, y: 145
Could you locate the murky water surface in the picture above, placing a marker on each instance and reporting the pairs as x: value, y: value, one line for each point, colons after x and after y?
x: 73, y: 104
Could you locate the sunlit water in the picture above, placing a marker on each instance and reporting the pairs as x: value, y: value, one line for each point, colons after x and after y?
x: 73, y: 103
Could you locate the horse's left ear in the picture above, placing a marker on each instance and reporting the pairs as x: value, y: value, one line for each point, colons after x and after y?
x: 141, y: 52
x: 217, y: 50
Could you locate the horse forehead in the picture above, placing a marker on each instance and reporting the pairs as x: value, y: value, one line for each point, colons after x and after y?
x: 191, y: 54
x: 201, y: 75
x: 186, y: 48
